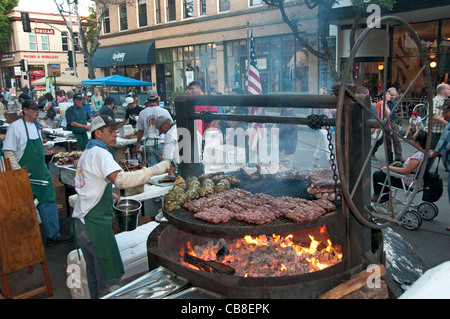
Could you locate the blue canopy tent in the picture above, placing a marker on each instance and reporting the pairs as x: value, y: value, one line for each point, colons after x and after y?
x: 116, y: 80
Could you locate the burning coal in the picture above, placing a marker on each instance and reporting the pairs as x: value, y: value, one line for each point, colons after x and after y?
x: 268, y: 256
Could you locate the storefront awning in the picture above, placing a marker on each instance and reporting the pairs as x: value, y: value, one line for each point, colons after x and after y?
x: 129, y: 54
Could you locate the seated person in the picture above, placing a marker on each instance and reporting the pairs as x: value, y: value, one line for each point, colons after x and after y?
x: 415, y: 124
x: 409, y: 168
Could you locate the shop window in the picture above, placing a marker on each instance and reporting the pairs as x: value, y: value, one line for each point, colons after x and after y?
x: 64, y: 41
x: 255, y: 3
x: 224, y: 5
x: 44, y: 43
x: 123, y: 17
x: 171, y: 10
x: 76, y: 41
x: 32, y: 41
x: 106, y: 22
x: 202, y: 6
x: 282, y: 64
x: 406, y: 56
x: 142, y: 12
x: 444, y: 53
x: 158, y: 11
x: 188, y: 9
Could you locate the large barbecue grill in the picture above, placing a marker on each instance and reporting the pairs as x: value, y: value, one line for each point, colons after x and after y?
x: 341, y: 227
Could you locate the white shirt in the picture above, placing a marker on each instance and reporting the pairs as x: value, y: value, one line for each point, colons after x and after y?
x: 417, y: 120
x: 93, y: 167
x: 170, y: 151
x: 16, y: 137
x: 146, y: 122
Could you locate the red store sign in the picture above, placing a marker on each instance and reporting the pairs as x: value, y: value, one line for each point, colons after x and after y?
x: 44, y: 31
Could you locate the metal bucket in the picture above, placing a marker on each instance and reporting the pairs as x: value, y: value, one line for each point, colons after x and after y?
x: 127, y: 214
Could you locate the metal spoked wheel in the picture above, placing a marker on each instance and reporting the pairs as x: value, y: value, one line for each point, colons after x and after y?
x: 427, y: 210
x: 411, y: 220
x: 422, y: 109
x: 370, y: 216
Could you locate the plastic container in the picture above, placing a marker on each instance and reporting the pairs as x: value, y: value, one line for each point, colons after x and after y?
x: 63, y: 107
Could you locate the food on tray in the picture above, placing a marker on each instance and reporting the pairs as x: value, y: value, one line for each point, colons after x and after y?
x: 171, y: 205
x: 257, y: 208
x: 215, y: 215
x: 67, y: 158
x: 170, y: 178
x: 206, y: 190
x: 195, y: 187
x: 265, y: 168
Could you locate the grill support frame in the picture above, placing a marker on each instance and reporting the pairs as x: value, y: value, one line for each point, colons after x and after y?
x: 356, y: 240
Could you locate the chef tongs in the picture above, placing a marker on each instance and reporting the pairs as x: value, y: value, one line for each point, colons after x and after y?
x: 38, y: 182
x: 142, y: 286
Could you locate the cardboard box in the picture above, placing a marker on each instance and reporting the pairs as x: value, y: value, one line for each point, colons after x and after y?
x: 60, y: 195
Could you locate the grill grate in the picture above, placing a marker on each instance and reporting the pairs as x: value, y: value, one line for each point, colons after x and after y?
x: 183, y: 218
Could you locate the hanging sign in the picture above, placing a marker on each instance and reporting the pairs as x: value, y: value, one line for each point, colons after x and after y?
x: 44, y: 31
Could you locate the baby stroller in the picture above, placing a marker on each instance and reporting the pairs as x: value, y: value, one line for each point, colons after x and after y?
x: 403, y: 198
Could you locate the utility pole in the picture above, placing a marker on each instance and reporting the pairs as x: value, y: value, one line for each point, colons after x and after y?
x: 74, y: 56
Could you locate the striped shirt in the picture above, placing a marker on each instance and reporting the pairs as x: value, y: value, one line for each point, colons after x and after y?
x: 438, y: 103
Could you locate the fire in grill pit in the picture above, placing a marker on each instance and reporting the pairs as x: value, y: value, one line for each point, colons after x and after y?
x: 269, y: 256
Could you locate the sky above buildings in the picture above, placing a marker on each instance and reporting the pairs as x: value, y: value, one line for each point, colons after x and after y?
x: 49, y: 6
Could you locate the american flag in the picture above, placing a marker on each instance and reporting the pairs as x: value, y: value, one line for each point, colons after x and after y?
x: 253, y: 86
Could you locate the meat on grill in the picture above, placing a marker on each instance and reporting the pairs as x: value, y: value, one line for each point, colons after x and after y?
x: 256, y: 216
x: 256, y: 208
x: 215, y: 215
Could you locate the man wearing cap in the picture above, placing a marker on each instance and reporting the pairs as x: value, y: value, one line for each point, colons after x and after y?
x: 77, y: 119
x: 414, y: 122
x: 24, y: 147
x: 165, y: 125
x: 107, y: 109
x: 154, y: 143
x: 131, y: 112
x: 93, y: 212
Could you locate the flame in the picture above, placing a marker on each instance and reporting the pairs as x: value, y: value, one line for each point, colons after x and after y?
x: 270, y: 255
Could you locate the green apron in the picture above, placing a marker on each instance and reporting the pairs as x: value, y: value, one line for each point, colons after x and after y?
x: 33, y: 159
x: 99, y: 225
x: 80, y: 133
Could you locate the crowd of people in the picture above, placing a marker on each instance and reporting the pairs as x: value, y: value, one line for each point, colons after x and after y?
x: 417, y: 131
